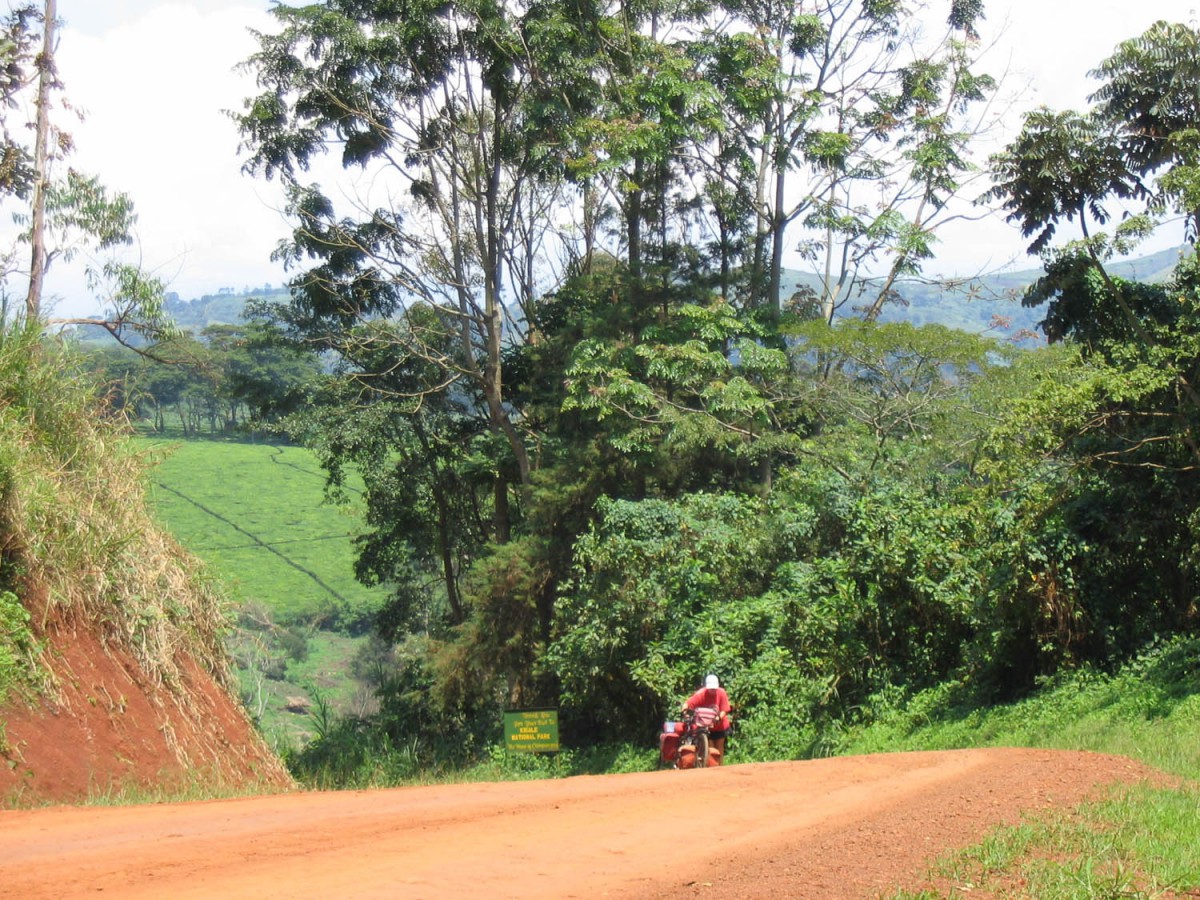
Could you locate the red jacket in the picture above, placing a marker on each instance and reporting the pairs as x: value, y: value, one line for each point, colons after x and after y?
x: 717, y: 699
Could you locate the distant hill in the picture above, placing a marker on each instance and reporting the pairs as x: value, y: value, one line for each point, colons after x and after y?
x: 991, y: 303
x: 223, y: 308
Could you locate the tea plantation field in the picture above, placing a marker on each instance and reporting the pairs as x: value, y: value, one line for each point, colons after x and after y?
x: 256, y: 515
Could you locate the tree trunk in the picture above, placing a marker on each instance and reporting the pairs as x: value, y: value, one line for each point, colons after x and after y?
x: 449, y: 576
x: 633, y: 226
x: 41, y: 163
x: 778, y: 233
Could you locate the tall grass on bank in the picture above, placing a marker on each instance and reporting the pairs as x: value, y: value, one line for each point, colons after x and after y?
x: 1149, y: 710
x: 77, y: 542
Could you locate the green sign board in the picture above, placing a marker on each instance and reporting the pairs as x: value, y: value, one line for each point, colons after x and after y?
x: 533, y: 730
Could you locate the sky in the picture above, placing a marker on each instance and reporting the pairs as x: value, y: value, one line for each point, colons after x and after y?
x: 155, y: 77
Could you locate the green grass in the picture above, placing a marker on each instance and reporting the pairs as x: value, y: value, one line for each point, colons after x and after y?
x: 1141, y: 841
x: 256, y: 514
x: 324, y: 674
x: 198, y: 785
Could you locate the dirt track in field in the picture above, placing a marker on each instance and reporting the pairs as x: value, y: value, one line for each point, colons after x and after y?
x: 836, y: 828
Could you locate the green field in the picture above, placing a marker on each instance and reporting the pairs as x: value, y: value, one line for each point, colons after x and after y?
x: 256, y: 515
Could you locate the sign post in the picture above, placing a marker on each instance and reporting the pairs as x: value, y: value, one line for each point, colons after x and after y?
x: 531, y: 730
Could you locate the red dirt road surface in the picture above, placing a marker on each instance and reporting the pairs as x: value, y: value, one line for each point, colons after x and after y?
x: 836, y: 828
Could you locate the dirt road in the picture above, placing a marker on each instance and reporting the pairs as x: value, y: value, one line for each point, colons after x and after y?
x: 851, y: 827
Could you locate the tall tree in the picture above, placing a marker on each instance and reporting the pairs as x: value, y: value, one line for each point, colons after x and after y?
x: 1137, y: 144
x: 67, y: 214
x: 18, y: 49
x: 47, y: 80
x: 427, y: 98
x: 846, y: 125
x: 1149, y: 93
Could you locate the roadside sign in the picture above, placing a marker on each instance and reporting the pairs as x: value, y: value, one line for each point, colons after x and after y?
x: 531, y: 730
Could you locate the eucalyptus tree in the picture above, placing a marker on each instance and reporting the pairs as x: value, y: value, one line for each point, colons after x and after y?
x: 47, y: 80
x: 846, y: 123
x: 632, y: 144
x: 63, y: 216
x: 20, y: 175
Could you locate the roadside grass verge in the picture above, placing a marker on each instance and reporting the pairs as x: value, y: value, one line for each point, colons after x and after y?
x: 368, y: 760
x: 1139, y: 841
x: 198, y: 785
x: 76, y: 543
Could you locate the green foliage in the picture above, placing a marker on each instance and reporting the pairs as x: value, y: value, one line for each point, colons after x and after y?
x: 416, y: 730
x: 16, y: 646
x: 636, y: 626
x: 347, y: 755
x: 613, y: 757
x: 494, y: 653
x: 890, y: 392
x: 227, y: 379
x: 1137, y: 844
x: 588, y: 494
x: 1066, y: 165
x: 678, y: 383
x: 1061, y: 166
x: 1103, y: 512
x: 965, y: 14
x: 1095, y: 309
x: 804, y: 610
x: 82, y: 205
x: 18, y: 52
x: 1145, y: 89
x: 428, y: 466
x: 1146, y: 709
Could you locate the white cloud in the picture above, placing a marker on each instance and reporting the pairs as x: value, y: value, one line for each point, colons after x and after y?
x: 1055, y: 43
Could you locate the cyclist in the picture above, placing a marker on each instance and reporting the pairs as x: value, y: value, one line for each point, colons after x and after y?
x: 713, y: 696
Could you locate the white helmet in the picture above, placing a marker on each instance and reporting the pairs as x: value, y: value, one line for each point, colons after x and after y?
x: 711, y: 681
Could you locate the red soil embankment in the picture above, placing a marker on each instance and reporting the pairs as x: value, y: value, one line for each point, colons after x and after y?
x: 107, y: 726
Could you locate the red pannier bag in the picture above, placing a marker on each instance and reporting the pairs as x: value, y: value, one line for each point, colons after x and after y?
x: 687, y: 756
x: 668, y: 746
